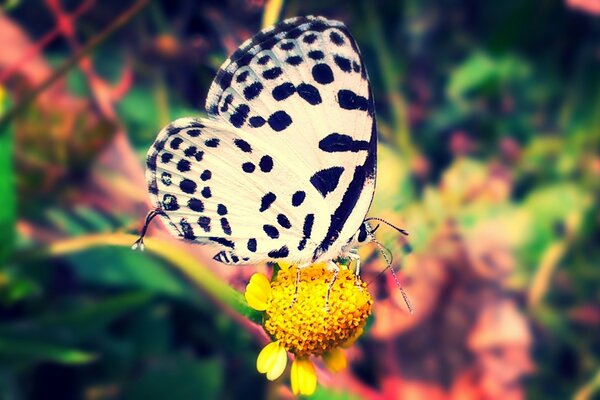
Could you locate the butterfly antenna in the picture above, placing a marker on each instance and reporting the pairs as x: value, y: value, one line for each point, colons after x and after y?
x: 140, y: 242
x: 402, y: 231
x: 388, y: 259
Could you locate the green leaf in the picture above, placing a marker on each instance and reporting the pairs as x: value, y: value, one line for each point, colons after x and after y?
x: 7, y: 183
x: 119, y: 267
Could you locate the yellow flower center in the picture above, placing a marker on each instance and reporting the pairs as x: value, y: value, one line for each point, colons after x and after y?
x: 307, y: 328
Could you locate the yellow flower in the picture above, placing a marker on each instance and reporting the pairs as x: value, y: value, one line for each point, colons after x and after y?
x: 298, y: 321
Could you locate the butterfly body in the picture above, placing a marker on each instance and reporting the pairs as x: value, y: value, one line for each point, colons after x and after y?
x: 283, y: 168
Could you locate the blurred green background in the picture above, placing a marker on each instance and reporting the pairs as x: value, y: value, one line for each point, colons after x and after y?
x: 489, y: 123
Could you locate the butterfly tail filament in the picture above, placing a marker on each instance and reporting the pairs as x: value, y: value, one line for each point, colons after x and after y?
x: 139, y: 243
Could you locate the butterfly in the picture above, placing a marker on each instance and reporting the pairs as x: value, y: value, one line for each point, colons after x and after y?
x: 284, y: 167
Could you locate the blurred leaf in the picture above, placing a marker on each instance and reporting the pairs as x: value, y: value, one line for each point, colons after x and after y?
x: 554, y: 211
x: 119, y: 267
x: 24, y: 349
x: 480, y: 71
x: 89, y: 318
x: 323, y: 393
x: 7, y: 183
x: 179, y: 379
x: 139, y: 112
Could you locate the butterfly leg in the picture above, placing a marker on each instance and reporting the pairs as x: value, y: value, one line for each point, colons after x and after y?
x: 298, y: 269
x: 336, y: 270
x: 353, y: 255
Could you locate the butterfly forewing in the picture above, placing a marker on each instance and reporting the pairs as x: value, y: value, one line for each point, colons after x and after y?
x: 290, y: 146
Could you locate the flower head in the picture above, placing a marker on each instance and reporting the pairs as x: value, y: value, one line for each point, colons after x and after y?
x: 297, y: 319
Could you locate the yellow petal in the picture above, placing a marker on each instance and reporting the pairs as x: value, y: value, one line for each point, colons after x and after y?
x: 272, y: 360
x: 335, y: 360
x: 304, y: 377
x: 258, y: 291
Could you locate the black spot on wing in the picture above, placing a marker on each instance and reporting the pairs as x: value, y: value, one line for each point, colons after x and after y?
x: 175, y: 143
x: 243, y: 145
x: 227, y: 102
x: 238, y: 118
x: 298, y: 198
x: 205, y: 175
x: 343, y: 63
x: 266, y: 201
x: 151, y: 163
x: 187, y: 230
x: 322, y: 73
x: 222, y: 241
x: 337, y: 142
x: 198, y: 156
x: 214, y: 142
x: 271, y: 231
x: 310, y: 38
x: 169, y: 203
x: 183, y: 165
x: 257, y: 122
x: 166, y: 157
x: 206, y: 193
x: 263, y: 60
x: 349, y: 100
x: 251, y: 245
x: 266, y: 164
x: 326, y: 180
x: 187, y: 186
x: 193, y: 132
x: 287, y: 46
x: 316, y: 54
x: 196, y: 205
x: 336, y: 38
x: 190, y: 151
x: 294, y: 60
x: 284, y: 221
x: 242, y: 76
x: 152, y: 187
x: 253, y: 90
x: 283, y: 91
x: 204, y: 223
x: 248, y: 167
x: 225, y: 226
x: 309, y: 220
x: 272, y: 73
x: 221, y: 209
x: 279, y: 120
x: 224, y: 79
x: 165, y: 178
x: 309, y: 93
x: 281, y: 253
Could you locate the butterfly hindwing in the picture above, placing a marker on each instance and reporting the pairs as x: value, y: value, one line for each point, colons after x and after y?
x: 290, y: 145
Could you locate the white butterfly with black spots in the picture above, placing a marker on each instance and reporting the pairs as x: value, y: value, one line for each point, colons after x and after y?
x: 283, y: 169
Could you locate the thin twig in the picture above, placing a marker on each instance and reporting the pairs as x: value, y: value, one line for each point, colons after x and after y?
x: 67, y: 65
